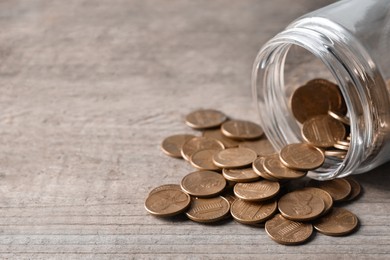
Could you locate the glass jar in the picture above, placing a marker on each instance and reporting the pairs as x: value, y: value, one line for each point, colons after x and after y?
x: 347, y: 42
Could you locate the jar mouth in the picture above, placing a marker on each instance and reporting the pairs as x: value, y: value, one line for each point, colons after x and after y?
x: 352, y: 68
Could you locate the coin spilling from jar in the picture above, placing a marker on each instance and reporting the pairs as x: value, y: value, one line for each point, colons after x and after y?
x: 239, y: 174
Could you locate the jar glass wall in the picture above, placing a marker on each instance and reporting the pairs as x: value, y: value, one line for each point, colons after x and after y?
x: 348, y: 43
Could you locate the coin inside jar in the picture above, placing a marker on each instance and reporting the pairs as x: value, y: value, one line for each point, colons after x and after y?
x: 167, y: 201
x: 247, y: 212
x: 199, y: 143
x: 240, y: 129
x: 256, y: 191
x: 205, y: 118
x: 203, y: 183
x: 208, y: 210
x: 337, y: 223
x: 301, y: 205
x: 234, y: 157
x: 301, y: 156
x: 172, y: 145
x: 288, y: 232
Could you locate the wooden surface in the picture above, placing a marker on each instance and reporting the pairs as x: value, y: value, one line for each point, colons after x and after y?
x: 89, y: 89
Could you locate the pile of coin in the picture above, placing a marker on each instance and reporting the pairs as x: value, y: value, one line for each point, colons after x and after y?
x: 239, y: 174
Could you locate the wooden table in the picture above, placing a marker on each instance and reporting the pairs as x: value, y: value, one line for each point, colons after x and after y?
x: 90, y: 88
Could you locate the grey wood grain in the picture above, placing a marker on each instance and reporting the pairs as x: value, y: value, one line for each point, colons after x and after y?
x: 88, y: 91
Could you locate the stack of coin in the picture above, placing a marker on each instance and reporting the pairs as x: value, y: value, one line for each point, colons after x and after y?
x: 239, y: 174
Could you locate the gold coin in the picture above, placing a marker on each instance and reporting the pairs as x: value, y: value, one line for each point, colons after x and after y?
x: 343, y: 119
x: 262, y: 147
x: 167, y: 201
x: 240, y: 175
x: 339, y: 189
x: 337, y: 223
x: 172, y: 145
x: 288, y: 232
x: 199, y: 143
x: 301, y: 156
x: 274, y: 167
x: 325, y: 196
x: 247, y: 212
x: 165, y: 186
x: 344, y: 142
x: 234, y: 157
x: 203, y: 159
x: 301, y: 205
x: 208, y: 210
x: 336, y: 153
x: 241, y: 129
x: 205, y: 118
x: 355, y: 189
x: 258, y: 167
x: 256, y: 191
x: 217, y: 134
x: 315, y: 98
x: 203, y: 183
x: 341, y: 147
x: 323, y: 131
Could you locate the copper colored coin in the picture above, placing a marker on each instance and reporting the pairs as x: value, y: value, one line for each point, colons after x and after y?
x: 248, y: 212
x: 339, y: 189
x: 256, y: 191
x: 199, y: 143
x: 335, y: 153
x: 168, y: 201
x: 258, y: 167
x: 203, y: 183
x: 234, y: 157
x: 205, y: 118
x: 344, y: 142
x: 165, y: 186
x: 288, y: 232
x: 217, y: 134
x: 337, y: 223
x: 172, y: 145
x: 241, y: 129
x: 315, y: 98
x: 274, y: 167
x: 240, y: 175
x: 323, y: 131
x: 301, y: 156
x: 208, y: 210
x: 301, y: 205
x: 341, y: 147
x: 325, y: 196
x: 343, y: 119
x: 262, y: 147
x: 355, y: 189
x: 203, y: 160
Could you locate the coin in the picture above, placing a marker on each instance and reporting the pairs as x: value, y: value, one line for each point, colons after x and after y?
x: 262, y: 147
x: 203, y: 159
x: 288, y: 232
x: 323, y: 131
x: 240, y: 129
x: 339, y: 189
x: 337, y: 223
x: 172, y: 145
x: 273, y: 166
x: 301, y: 156
x: 199, y: 143
x: 325, y: 196
x: 344, y: 142
x: 343, y: 119
x: 203, y: 183
x: 315, y: 98
x: 208, y: 210
x: 217, y: 134
x: 341, y: 147
x: 258, y: 167
x: 256, y: 191
x: 167, y: 201
x: 247, y: 212
x: 165, y: 186
x: 355, y: 189
x: 240, y: 175
x: 336, y: 153
x: 234, y: 157
x: 205, y: 118
x: 301, y: 205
